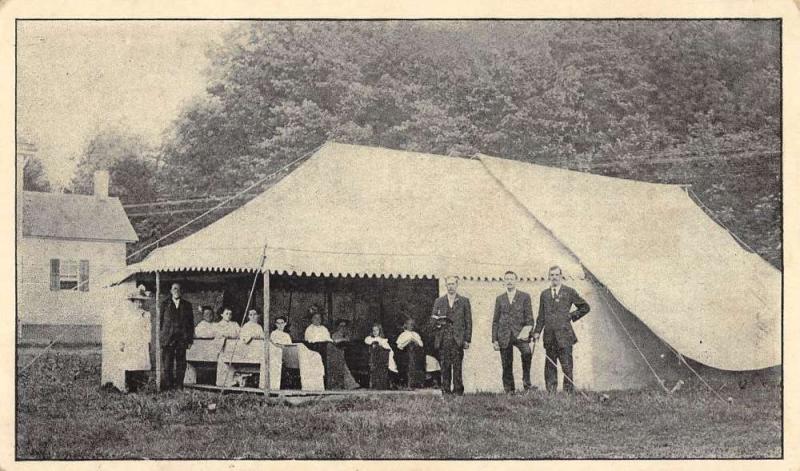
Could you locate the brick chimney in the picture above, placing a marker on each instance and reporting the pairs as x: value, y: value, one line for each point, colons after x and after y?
x: 101, y: 183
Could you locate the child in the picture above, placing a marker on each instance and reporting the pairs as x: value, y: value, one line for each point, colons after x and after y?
x: 380, y: 358
x: 205, y: 329
x: 377, y: 337
x: 413, y: 357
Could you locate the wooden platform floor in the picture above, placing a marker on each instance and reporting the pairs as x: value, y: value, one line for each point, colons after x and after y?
x: 299, y: 393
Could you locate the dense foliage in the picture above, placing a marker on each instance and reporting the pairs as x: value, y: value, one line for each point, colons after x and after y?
x: 34, y: 177
x: 621, y: 96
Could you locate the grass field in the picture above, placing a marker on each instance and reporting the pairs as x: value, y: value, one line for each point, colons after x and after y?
x: 62, y: 413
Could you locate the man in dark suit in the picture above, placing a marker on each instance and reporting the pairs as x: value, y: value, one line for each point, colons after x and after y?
x: 177, y: 335
x: 512, y: 314
x: 555, y: 318
x: 451, y: 324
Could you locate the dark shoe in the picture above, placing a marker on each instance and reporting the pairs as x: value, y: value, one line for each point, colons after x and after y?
x: 460, y: 392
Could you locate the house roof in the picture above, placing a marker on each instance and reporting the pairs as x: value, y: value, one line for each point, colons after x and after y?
x: 65, y: 216
x: 353, y: 210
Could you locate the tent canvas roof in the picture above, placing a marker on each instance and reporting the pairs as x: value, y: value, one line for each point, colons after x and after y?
x: 361, y: 211
x: 353, y: 210
x: 662, y: 257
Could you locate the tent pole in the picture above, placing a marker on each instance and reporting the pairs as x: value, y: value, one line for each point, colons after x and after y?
x: 158, y: 332
x: 267, y: 323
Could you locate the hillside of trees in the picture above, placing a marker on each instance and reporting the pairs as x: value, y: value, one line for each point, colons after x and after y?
x: 693, y: 102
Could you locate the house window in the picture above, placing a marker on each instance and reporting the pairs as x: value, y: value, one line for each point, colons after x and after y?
x: 69, y: 275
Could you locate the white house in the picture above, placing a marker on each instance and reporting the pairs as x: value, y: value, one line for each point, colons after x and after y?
x: 67, y: 242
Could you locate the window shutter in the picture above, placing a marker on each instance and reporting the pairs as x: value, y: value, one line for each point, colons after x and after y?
x: 83, y: 276
x: 54, y: 281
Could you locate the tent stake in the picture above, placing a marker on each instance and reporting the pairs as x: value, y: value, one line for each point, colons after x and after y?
x: 158, y: 332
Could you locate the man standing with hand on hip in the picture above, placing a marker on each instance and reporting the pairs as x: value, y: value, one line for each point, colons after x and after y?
x: 451, y: 323
x: 555, y: 318
x: 177, y: 335
x: 511, y: 327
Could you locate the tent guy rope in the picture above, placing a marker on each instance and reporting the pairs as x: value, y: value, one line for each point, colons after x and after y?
x: 625, y: 329
x: 244, y: 316
x: 183, y: 226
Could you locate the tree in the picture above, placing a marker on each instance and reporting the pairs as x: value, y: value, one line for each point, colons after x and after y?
x: 128, y: 160
x: 566, y: 93
x: 34, y: 176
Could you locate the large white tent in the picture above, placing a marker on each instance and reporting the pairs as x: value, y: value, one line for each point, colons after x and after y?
x: 662, y: 278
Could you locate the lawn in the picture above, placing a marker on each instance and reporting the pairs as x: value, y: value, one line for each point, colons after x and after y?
x: 62, y: 413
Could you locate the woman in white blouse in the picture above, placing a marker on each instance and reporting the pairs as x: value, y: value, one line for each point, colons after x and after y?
x: 316, y: 332
x: 206, y: 329
x: 318, y: 338
x: 226, y: 328
x: 279, y: 336
x: 252, y: 329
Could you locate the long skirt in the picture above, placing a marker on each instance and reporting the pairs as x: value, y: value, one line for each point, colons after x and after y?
x: 378, y: 367
x: 337, y: 374
x: 411, y: 366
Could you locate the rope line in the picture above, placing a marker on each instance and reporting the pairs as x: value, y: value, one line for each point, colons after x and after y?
x: 683, y: 360
x: 224, y: 202
x: 625, y: 329
x: 183, y: 226
x: 710, y: 213
x: 53, y: 342
x: 244, y: 316
x: 565, y: 376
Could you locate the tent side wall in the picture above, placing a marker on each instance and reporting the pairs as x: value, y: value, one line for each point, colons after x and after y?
x: 605, y: 358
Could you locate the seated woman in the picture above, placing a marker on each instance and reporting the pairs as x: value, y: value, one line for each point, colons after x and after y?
x: 226, y: 328
x: 279, y: 336
x: 380, y: 355
x: 342, y: 333
x: 318, y: 338
x: 411, y: 360
x: 252, y: 328
x: 206, y: 329
x: 290, y: 378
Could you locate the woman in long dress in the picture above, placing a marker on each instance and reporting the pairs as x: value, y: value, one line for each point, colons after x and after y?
x: 318, y: 338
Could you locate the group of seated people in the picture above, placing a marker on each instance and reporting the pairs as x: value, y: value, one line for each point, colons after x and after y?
x: 406, y: 363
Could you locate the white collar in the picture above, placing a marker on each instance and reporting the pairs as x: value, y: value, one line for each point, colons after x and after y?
x: 557, y: 288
